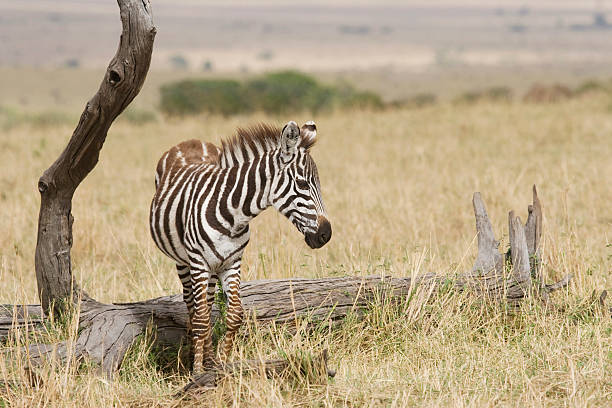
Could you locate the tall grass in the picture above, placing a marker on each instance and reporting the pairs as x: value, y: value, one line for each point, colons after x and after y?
x: 397, y: 185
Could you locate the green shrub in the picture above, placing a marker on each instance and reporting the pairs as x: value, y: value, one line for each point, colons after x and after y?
x: 207, y: 66
x: 468, y: 97
x: 364, y: 100
x: 498, y: 93
x: 190, y: 97
x: 287, y: 91
x: 179, y: 62
x: 493, y: 94
x: 274, y: 93
x: 589, y: 86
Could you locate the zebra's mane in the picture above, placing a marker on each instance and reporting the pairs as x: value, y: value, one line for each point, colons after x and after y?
x: 253, y: 142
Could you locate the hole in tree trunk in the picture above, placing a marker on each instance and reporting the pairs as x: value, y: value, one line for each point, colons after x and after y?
x: 114, y: 78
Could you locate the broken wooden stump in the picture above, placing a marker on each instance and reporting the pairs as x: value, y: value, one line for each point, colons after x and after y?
x: 516, y: 274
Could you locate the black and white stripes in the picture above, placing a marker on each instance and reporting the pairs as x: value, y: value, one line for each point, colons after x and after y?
x: 204, y: 201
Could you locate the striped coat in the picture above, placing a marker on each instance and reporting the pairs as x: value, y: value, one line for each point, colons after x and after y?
x: 205, y: 197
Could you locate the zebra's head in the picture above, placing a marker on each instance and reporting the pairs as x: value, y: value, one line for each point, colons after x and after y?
x: 297, y: 193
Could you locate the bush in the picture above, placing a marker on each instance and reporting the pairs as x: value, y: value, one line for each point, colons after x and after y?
x: 190, y: 97
x: 590, y: 86
x: 207, y: 66
x: 499, y: 93
x: 363, y: 100
x: 468, y: 97
x: 273, y: 93
x: 179, y: 62
x: 287, y: 91
x: 494, y: 94
x: 539, y: 93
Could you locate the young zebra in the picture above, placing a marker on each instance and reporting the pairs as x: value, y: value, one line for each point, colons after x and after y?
x: 204, y: 201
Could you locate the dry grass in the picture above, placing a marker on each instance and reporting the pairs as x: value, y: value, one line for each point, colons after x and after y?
x: 398, y: 189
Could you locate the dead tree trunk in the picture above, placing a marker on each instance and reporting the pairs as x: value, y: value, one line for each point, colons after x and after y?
x: 122, y: 82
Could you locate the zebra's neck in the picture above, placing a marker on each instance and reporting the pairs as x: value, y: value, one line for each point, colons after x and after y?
x: 246, y: 150
x: 249, y: 187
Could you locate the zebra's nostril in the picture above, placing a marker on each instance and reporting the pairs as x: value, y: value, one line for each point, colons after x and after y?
x: 324, y: 231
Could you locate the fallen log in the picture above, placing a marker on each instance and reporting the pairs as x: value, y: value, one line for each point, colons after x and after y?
x: 107, y: 330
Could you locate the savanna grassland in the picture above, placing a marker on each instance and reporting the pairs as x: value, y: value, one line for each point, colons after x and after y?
x: 397, y: 185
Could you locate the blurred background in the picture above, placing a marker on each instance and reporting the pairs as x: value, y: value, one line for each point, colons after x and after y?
x: 53, y: 52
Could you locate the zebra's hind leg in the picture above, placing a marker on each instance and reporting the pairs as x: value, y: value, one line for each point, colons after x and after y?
x: 185, y: 277
x: 212, y: 288
x: 230, y: 278
x: 200, y: 324
x: 210, y: 299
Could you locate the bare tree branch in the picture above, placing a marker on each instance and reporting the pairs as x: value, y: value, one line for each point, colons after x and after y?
x: 122, y: 82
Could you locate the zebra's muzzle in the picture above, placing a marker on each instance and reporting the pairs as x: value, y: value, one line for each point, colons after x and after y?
x: 321, y: 236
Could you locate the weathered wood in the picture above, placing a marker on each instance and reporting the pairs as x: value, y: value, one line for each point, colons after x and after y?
x: 489, y: 275
x: 488, y: 261
x: 19, y: 317
x: 533, y: 235
x: 521, y: 273
x: 107, y: 331
x: 122, y: 82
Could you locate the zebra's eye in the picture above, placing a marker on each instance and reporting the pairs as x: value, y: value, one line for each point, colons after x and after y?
x: 302, y: 184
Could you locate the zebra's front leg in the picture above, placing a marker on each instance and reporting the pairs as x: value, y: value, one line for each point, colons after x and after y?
x: 200, y: 325
x: 230, y: 279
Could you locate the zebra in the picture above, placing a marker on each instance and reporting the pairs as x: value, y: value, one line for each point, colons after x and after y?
x: 205, y: 197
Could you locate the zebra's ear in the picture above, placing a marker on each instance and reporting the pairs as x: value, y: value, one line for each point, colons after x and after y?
x: 309, y: 135
x: 290, y: 136
x: 309, y: 131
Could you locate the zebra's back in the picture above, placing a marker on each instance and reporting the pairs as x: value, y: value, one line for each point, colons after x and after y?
x: 185, y: 153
